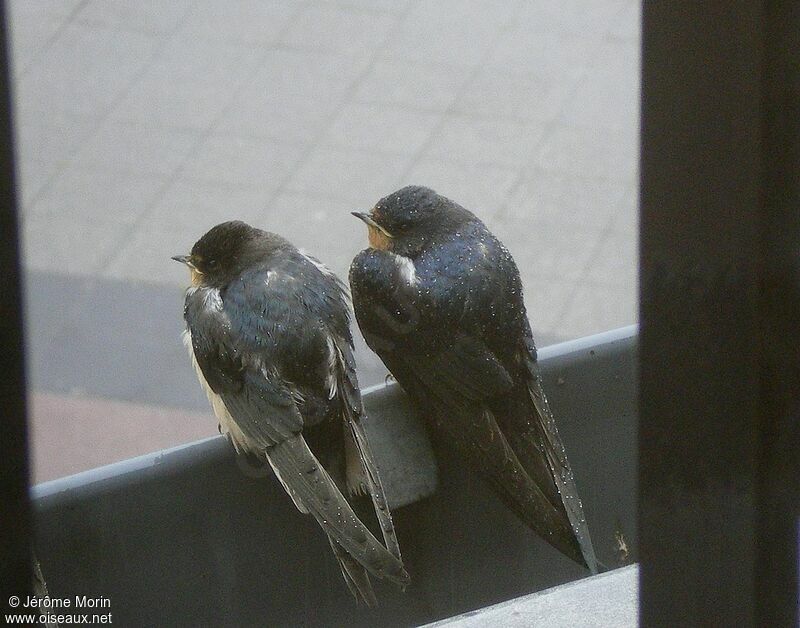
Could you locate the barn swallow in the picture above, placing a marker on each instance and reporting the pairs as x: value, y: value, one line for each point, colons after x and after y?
x: 268, y: 331
x: 439, y: 299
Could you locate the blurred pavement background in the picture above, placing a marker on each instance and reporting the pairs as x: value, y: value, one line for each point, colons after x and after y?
x: 140, y: 124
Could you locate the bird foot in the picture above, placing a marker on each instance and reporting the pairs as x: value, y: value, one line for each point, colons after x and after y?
x: 356, y: 480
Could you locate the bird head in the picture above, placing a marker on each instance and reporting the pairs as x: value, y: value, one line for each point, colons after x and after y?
x: 403, y: 221
x: 220, y: 255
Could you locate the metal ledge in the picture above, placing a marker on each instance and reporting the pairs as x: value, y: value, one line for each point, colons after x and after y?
x: 191, y: 536
x: 609, y: 599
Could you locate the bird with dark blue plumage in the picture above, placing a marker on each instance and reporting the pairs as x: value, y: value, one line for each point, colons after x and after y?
x: 439, y: 298
x: 268, y: 330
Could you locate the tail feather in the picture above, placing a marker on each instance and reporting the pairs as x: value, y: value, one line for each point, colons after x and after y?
x: 309, y: 482
x: 355, y: 576
x: 543, y: 432
x: 496, y: 438
x: 354, y: 415
x: 473, y: 428
x: 375, y: 488
x: 502, y: 467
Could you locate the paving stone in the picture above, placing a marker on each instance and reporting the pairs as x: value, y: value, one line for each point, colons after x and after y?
x: 70, y: 244
x: 307, y: 73
x: 594, y: 151
x: 383, y: 129
x: 626, y: 218
x: 352, y: 175
x: 42, y: 9
x: 136, y: 148
x: 339, y: 30
x: 549, y: 54
x: 599, y: 307
x: 565, y: 199
x: 241, y: 162
x: 146, y: 252
x: 191, y: 207
x: 85, y: 69
x: 627, y: 25
x: 573, y: 17
x: 423, y: 86
x: 449, y: 31
x: 616, y: 260
x: 32, y: 176
x: 189, y: 84
x: 49, y: 298
x: 286, y: 118
x: 120, y: 430
x: 142, y: 361
x: 322, y: 226
x: 243, y: 21
x: 103, y: 193
x: 485, y: 140
x: 608, y: 95
x: 378, y: 6
x: 293, y: 96
x: 621, y: 58
x: 30, y: 29
x: 529, y: 96
x: 185, y: 211
x: 45, y: 143
x: 148, y: 16
x: 43, y: 135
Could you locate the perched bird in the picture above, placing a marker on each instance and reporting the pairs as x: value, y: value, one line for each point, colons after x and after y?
x: 268, y: 330
x: 439, y: 299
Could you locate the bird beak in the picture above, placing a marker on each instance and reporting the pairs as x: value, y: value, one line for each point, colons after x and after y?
x: 368, y: 219
x: 184, y: 259
x: 196, y: 275
x: 189, y: 261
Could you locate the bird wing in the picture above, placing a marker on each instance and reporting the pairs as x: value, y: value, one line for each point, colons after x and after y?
x: 473, y: 426
x: 354, y: 415
x: 340, y: 342
x: 453, y: 375
x: 259, y: 403
x: 538, y: 432
x: 265, y: 410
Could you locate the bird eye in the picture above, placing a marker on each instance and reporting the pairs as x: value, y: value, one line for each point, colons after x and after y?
x: 211, y: 263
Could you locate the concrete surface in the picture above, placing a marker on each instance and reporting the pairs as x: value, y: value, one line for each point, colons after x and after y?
x: 141, y: 124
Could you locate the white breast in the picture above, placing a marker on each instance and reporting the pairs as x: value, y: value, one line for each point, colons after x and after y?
x: 408, y: 273
x: 230, y: 429
x: 227, y: 425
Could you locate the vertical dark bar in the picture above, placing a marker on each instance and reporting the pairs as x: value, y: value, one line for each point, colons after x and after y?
x: 779, y: 456
x: 720, y: 253
x: 15, y: 557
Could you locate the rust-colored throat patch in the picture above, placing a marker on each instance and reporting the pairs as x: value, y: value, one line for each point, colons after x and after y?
x: 378, y: 239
